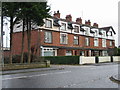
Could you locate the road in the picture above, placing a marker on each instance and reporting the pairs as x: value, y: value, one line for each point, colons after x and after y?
x: 86, y: 76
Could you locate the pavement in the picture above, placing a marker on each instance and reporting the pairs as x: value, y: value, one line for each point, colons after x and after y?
x: 53, y: 67
x: 62, y: 76
x: 114, y: 78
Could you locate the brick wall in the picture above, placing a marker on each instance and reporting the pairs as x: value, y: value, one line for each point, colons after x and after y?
x: 37, y: 38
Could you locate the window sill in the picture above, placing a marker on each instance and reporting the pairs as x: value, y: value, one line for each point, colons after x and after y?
x: 63, y: 44
x: 48, y: 42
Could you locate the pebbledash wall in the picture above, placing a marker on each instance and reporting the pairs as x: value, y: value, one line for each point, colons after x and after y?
x: 60, y: 37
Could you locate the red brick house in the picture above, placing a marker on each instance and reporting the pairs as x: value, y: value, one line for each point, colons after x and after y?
x: 60, y: 37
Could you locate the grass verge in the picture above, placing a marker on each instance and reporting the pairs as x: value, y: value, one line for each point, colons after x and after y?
x: 7, y: 67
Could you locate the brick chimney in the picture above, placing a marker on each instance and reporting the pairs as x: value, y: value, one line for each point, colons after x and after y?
x: 95, y: 25
x: 57, y: 15
x: 88, y: 22
x: 69, y: 17
x: 79, y: 20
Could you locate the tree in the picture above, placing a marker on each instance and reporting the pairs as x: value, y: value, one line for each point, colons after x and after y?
x: 10, y: 9
x: 32, y: 14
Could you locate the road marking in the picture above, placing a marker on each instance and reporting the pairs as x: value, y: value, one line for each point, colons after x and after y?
x: 36, y: 75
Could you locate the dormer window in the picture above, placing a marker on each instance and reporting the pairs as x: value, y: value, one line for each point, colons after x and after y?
x: 86, y: 31
x: 110, y: 33
x: 63, y: 26
x: 48, y: 23
x: 76, y: 29
x: 96, y: 33
x: 103, y: 34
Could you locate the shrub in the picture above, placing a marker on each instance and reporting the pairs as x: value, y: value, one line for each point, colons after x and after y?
x: 16, y: 59
x: 62, y: 59
x: 6, y: 60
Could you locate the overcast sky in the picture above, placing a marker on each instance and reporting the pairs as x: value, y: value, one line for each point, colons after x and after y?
x: 103, y: 12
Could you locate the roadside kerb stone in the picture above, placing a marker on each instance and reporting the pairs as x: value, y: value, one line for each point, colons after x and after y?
x: 30, y: 70
x: 115, y: 79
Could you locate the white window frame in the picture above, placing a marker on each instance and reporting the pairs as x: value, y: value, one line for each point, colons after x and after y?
x: 96, y: 33
x: 48, y: 23
x: 103, y: 42
x: 47, y: 49
x: 87, y: 41
x: 68, y: 53
x: 48, y: 39
x: 61, y: 41
x: 96, y: 42
x: 111, y: 43
x: 63, y: 26
x: 104, y: 53
x: 76, y: 30
x: 76, y: 38
x: 104, y: 34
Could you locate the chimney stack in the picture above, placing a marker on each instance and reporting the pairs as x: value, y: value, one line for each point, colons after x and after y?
x: 88, y: 22
x: 69, y: 18
x: 79, y: 20
x: 57, y: 15
x: 95, y: 25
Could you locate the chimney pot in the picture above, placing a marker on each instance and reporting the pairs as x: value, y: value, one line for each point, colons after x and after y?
x: 79, y: 20
x: 69, y: 17
x: 56, y: 15
x: 88, y: 22
x: 95, y: 25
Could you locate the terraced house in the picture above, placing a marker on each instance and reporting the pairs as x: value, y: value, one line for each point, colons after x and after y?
x: 61, y: 37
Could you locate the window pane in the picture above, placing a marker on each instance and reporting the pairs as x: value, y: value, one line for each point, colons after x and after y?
x: 87, y: 41
x: 48, y: 37
x: 76, y: 40
x: 63, y: 38
x: 48, y: 23
x: 63, y: 26
x: 110, y: 43
x: 104, y: 42
x: 95, y: 41
x: 68, y: 53
x: 49, y: 53
x: 76, y: 29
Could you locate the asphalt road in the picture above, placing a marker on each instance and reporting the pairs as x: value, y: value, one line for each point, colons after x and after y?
x: 87, y: 76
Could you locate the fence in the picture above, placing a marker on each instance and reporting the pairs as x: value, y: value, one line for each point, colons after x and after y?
x: 99, y: 59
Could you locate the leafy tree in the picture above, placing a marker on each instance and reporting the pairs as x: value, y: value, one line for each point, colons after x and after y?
x: 10, y: 10
x: 30, y: 13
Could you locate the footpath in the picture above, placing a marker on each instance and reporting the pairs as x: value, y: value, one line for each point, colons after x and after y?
x: 32, y: 70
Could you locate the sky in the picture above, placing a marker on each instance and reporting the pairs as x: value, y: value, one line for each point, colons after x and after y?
x: 103, y: 12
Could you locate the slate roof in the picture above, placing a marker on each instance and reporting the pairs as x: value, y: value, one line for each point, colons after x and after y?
x: 108, y: 28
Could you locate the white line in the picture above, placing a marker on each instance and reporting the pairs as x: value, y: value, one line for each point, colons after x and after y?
x: 36, y: 75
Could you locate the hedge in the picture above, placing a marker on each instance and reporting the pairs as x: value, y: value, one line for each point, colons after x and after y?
x: 17, y: 59
x: 62, y: 59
